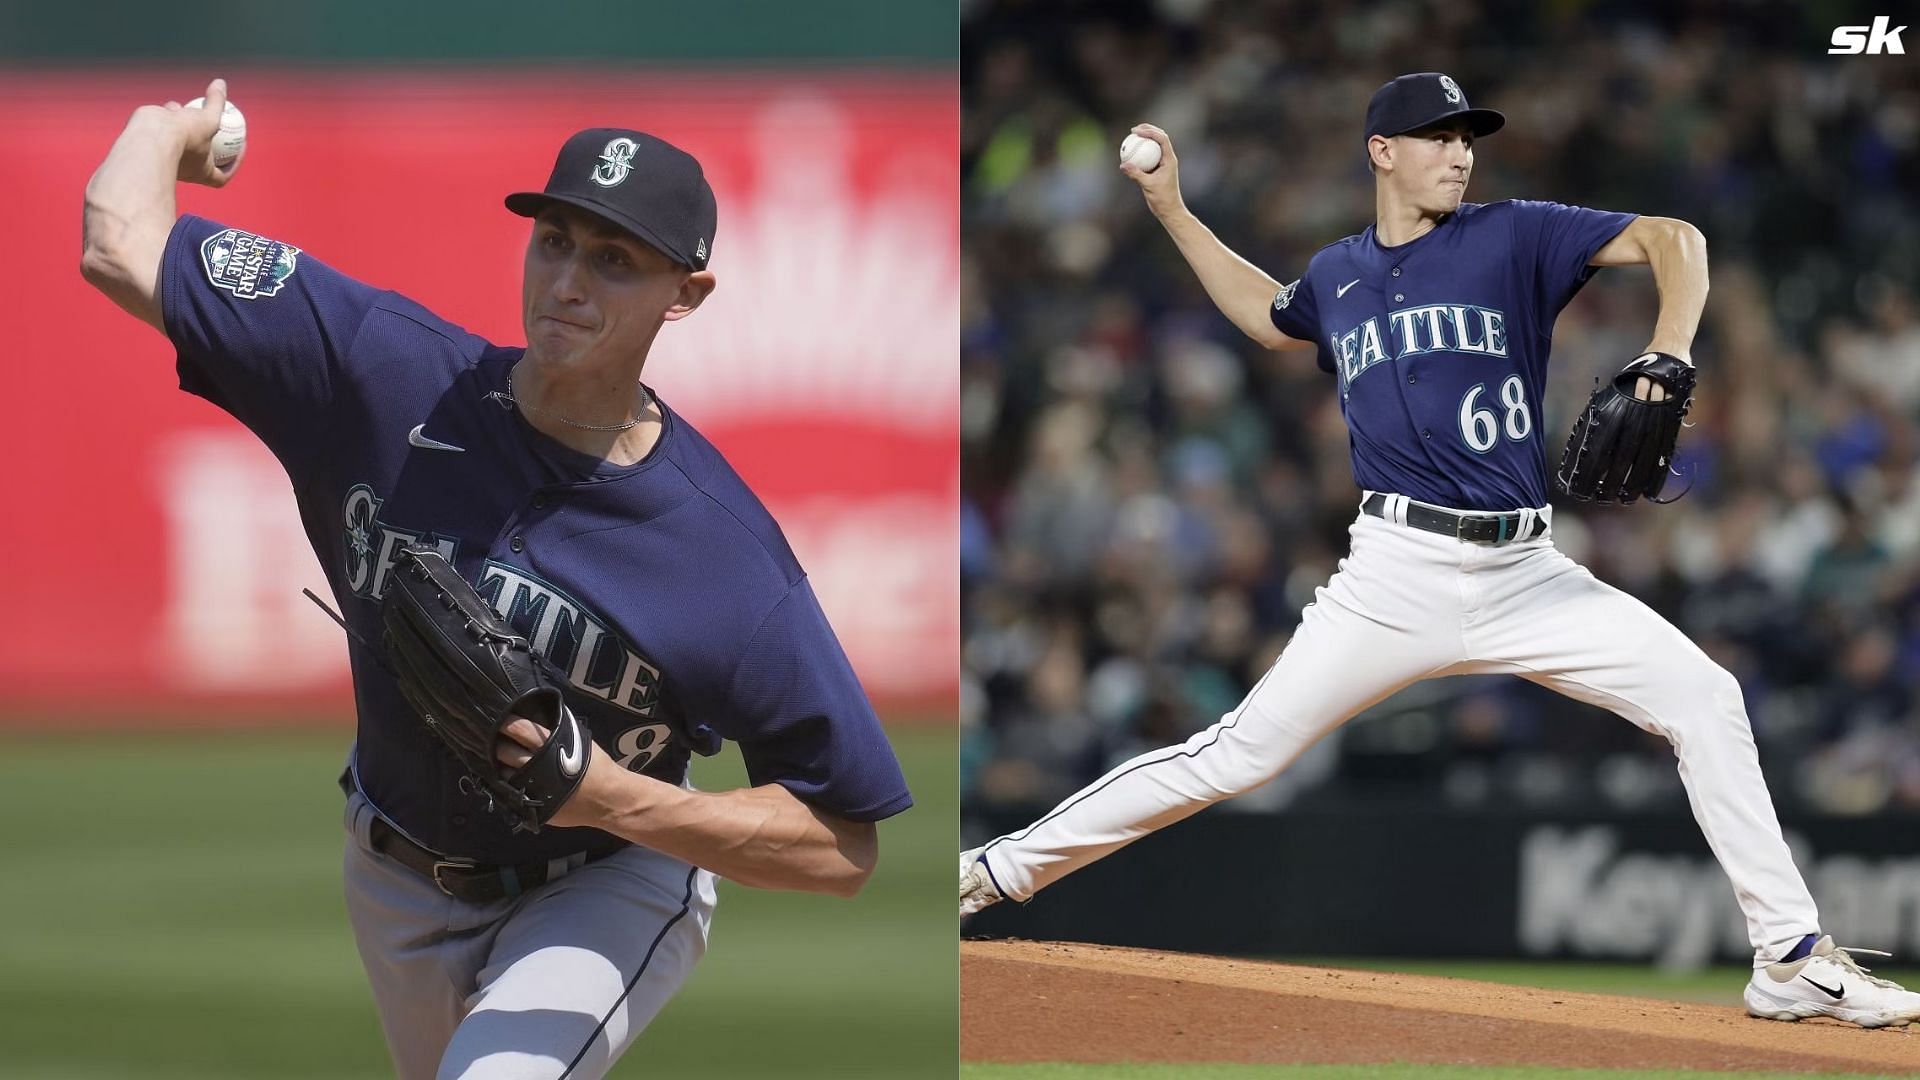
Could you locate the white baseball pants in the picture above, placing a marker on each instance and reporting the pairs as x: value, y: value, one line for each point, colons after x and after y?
x: 1407, y: 605
x: 555, y: 983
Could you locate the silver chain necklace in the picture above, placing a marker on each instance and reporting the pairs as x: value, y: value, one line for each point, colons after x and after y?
x: 507, y: 400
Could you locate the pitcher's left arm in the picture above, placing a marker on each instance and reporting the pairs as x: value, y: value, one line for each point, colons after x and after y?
x: 1677, y: 253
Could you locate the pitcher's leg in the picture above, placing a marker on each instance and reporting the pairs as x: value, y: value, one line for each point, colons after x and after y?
x: 582, y: 968
x: 1592, y: 642
x: 418, y: 947
x: 1368, y: 633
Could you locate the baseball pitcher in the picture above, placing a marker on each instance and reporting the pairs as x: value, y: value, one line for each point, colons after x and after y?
x: 555, y: 589
x: 1436, y: 323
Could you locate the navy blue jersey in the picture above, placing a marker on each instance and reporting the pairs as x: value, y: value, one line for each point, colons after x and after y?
x: 1440, y: 346
x: 662, y: 595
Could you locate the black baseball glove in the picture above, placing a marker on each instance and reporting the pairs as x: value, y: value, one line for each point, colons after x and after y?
x: 1622, y: 445
x: 467, y: 674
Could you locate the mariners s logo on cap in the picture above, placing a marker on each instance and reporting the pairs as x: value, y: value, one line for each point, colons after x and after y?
x: 668, y: 205
x: 1409, y: 103
x: 616, y: 161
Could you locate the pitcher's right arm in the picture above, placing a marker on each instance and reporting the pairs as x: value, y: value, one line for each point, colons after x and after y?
x: 1243, y: 292
x: 129, y: 202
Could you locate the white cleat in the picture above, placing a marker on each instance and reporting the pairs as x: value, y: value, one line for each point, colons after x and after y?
x: 1826, y: 982
x: 977, y: 889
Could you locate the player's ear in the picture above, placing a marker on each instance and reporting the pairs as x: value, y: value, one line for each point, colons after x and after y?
x: 1380, y: 150
x: 693, y: 292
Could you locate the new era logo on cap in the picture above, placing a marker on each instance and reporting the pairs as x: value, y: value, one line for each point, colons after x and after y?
x: 647, y: 186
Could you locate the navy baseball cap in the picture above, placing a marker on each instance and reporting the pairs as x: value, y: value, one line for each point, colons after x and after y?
x: 647, y: 186
x: 1414, y: 101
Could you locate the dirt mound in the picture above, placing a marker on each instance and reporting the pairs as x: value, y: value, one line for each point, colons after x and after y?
x: 1043, y: 1001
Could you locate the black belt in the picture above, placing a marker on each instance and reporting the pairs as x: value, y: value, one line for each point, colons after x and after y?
x: 1495, y: 529
x: 464, y: 879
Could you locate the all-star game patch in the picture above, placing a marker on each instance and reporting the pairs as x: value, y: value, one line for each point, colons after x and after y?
x: 246, y: 265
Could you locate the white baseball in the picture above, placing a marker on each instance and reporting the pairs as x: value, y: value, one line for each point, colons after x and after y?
x: 1144, y: 153
x: 232, y: 136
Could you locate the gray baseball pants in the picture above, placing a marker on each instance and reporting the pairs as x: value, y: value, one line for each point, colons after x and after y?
x: 1408, y: 605
x: 555, y: 983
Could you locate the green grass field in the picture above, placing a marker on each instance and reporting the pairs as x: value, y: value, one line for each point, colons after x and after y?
x: 173, y: 910
x: 1214, y: 1071
x: 1712, y: 986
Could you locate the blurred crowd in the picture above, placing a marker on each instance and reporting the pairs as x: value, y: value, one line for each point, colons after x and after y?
x: 1150, y: 499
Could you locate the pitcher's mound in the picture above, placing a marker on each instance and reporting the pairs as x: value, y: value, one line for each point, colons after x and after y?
x: 1044, y: 1001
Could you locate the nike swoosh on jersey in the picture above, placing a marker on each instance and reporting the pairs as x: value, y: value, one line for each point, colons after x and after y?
x: 414, y: 438
x: 1342, y: 290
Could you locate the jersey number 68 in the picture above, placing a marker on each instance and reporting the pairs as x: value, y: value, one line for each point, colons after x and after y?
x: 1481, y: 428
x: 637, y: 747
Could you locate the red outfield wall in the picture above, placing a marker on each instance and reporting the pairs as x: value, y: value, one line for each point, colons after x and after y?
x: 152, y: 548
